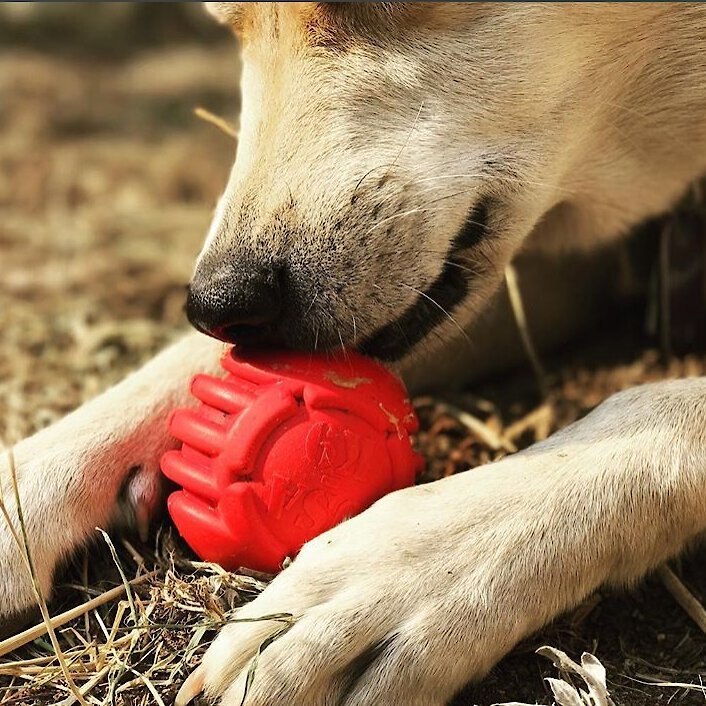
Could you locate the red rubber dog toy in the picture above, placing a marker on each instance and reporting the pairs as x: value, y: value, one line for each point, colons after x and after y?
x: 284, y: 447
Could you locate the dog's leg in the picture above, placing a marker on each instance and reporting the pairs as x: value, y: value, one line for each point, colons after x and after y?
x: 72, y: 474
x: 432, y: 585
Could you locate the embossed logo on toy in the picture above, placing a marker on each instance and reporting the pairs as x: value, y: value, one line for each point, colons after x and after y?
x: 331, y: 454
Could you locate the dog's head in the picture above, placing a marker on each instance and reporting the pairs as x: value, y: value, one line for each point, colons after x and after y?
x: 392, y: 159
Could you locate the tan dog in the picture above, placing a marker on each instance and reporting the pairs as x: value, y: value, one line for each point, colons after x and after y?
x: 393, y: 159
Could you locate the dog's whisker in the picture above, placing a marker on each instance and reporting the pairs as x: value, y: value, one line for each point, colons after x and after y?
x: 393, y: 217
x: 311, y: 305
x: 465, y: 268
x: 344, y: 351
x: 436, y: 304
x: 481, y: 176
x: 366, y: 175
x: 409, y: 134
x: 413, y: 211
x: 388, y: 165
x: 404, y: 333
x: 498, y: 179
x: 355, y: 330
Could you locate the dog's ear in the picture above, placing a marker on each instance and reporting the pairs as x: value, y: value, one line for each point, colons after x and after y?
x: 227, y: 13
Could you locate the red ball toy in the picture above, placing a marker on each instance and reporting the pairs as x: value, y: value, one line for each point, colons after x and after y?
x: 282, y: 448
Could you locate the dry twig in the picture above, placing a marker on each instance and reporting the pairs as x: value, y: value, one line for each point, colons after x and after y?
x: 16, y: 641
x: 518, y: 309
x: 683, y: 596
x: 221, y: 123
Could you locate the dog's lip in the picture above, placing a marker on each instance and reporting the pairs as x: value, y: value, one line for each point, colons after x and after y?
x: 395, y: 339
x: 246, y: 335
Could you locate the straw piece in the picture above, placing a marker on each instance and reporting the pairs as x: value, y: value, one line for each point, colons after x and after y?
x: 683, y: 596
x: 216, y: 120
x: 17, y: 641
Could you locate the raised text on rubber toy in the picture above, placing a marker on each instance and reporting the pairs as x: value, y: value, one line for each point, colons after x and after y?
x: 282, y: 448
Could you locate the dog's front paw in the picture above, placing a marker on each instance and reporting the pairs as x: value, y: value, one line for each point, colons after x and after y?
x: 401, y: 605
x: 98, y: 466
x: 360, y: 618
x: 19, y: 473
x: 67, y: 485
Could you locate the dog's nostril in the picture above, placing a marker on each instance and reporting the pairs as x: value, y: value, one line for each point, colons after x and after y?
x: 237, y: 306
x: 245, y: 334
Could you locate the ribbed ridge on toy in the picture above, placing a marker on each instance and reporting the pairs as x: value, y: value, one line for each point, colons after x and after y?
x: 282, y: 448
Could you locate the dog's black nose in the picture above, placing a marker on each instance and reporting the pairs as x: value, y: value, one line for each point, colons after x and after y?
x: 237, y: 306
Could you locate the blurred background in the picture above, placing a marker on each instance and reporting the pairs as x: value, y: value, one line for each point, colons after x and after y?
x: 107, y: 183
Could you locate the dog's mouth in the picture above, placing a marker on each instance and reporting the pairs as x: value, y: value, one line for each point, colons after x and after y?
x: 392, y: 341
x: 437, y: 302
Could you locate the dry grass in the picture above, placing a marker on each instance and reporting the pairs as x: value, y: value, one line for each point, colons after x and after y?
x: 136, y: 650
x: 106, y: 185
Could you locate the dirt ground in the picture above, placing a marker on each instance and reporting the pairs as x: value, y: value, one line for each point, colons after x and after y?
x: 107, y: 183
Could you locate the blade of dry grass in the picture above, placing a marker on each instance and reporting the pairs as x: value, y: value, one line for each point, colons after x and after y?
x: 121, y: 571
x: 518, y: 310
x: 487, y: 435
x: 16, y: 641
x: 88, y: 686
x: 36, y: 588
x: 221, y: 123
x: 539, y: 421
x: 6, y: 514
x: 683, y: 596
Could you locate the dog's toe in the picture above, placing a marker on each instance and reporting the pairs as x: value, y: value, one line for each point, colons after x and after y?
x: 336, y: 628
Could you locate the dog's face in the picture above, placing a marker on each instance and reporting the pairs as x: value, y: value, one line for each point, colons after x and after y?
x: 392, y: 159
